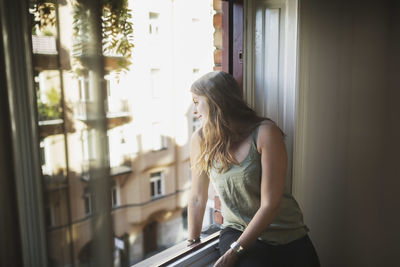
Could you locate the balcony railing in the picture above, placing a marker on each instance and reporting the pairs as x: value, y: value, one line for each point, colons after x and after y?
x: 116, y: 168
x: 117, y: 114
x: 117, y: 107
x: 85, y: 111
x: 80, y: 49
x: 112, y: 60
x: 44, y: 45
x: 50, y: 127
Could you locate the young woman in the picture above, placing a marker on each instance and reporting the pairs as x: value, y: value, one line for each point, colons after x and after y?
x: 245, y: 158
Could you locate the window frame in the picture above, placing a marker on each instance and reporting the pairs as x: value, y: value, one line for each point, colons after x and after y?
x: 156, y: 177
x: 23, y: 133
x: 115, y: 193
x: 87, y: 199
x: 282, y: 108
x: 202, y: 254
x: 84, y: 90
x: 154, y: 24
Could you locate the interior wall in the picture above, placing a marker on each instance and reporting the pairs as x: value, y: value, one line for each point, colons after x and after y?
x: 347, y: 168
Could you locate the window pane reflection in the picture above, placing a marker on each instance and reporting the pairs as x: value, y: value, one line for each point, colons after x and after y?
x: 148, y: 118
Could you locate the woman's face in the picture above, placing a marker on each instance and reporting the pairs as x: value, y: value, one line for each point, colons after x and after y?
x: 200, y: 107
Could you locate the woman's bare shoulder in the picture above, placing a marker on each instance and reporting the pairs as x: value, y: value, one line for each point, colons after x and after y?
x: 268, y: 127
x: 268, y: 132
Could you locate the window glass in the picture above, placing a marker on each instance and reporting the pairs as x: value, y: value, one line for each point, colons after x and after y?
x: 149, y: 65
x: 157, y: 184
x: 88, y: 201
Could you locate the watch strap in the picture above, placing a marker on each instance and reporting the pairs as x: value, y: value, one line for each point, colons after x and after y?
x: 235, y: 246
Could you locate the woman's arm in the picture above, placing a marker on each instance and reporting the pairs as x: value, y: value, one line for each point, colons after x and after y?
x: 273, y: 161
x: 198, y: 192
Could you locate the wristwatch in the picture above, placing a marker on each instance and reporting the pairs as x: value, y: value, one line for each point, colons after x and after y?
x: 235, y: 246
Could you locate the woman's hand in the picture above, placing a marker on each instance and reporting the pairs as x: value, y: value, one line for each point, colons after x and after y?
x: 227, y: 260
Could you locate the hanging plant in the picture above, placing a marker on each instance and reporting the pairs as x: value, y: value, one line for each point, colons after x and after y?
x: 43, y: 15
x: 117, y: 27
x: 117, y: 30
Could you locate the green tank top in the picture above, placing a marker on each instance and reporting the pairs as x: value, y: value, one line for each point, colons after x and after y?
x: 239, y: 190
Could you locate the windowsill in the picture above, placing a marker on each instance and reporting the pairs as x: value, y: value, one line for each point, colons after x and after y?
x: 204, y: 253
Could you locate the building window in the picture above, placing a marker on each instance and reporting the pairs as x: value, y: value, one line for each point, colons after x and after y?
x: 84, y: 90
x: 88, y: 150
x: 42, y: 154
x: 87, y: 198
x: 45, y: 158
x: 107, y: 80
x: 154, y: 23
x: 114, y: 196
x: 88, y: 144
x: 85, y: 96
x: 156, y: 185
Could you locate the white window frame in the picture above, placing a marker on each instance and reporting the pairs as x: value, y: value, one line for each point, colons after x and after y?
x: 84, y: 89
x: 270, y: 68
x: 115, y: 192
x: 88, y: 144
x: 154, y: 24
x: 88, y: 150
x: 47, y: 166
x: 116, y: 154
x: 154, y: 178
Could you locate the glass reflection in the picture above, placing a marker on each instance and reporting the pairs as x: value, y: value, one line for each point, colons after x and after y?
x: 115, y: 119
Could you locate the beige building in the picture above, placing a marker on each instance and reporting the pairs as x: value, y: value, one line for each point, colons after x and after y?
x: 149, y: 120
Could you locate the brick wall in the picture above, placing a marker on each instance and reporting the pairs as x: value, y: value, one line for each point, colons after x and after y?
x: 217, y: 34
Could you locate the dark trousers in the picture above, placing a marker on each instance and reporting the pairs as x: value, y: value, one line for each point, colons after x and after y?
x: 298, y: 253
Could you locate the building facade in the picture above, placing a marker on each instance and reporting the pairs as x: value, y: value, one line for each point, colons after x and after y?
x: 149, y: 124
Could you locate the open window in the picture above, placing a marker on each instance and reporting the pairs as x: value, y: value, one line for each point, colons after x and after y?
x: 121, y: 121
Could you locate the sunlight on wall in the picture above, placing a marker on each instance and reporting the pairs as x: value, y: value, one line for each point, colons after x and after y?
x: 173, y: 47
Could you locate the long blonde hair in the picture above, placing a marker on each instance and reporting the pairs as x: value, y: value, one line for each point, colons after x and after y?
x: 230, y: 120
